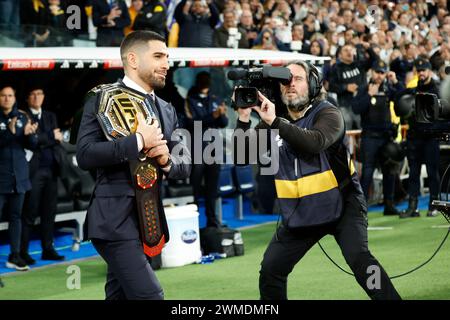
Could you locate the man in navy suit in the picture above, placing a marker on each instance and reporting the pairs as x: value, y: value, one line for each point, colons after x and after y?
x: 112, y: 220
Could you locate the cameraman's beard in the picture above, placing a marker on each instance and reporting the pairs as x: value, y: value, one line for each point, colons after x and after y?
x: 298, y: 104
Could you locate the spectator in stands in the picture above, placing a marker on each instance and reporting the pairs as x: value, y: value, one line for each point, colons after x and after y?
x: 283, y: 33
x: 56, y: 25
x: 204, y: 107
x: 152, y: 18
x: 110, y: 17
x: 229, y: 35
x: 135, y: 7
x: 257, y: 9
x: 197, y: 21
x: 16, y: 133
x: 246, y: 23
x: 40, y: 201
x: 346, y: 76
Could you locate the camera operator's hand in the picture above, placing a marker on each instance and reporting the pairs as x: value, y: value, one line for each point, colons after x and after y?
x: 267, y: 109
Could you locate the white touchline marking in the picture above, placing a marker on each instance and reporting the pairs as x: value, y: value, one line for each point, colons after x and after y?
x: 379, y: 228
x: 441, y: 226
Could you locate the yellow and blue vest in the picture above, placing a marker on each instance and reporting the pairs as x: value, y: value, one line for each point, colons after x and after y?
x: 307, y: 189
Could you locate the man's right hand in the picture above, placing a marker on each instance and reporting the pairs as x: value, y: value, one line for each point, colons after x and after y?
x: 352, y: 87
x: 12, y: 125
x: 151, y: 133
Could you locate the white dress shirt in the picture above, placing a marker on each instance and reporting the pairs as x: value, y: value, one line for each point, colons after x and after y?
x: 133, y: 85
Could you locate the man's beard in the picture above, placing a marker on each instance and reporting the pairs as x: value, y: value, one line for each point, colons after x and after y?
x: 297, y: 104
x: 152, y: 80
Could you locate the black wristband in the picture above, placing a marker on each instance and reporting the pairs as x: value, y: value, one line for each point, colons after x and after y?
x: 168, y: 163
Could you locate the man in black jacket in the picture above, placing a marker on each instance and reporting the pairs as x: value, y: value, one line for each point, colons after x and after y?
x: 152, y: 17
x: 112, y: 217
x: 110, y: 17
x: 346, y: 76
x: 40, y: 201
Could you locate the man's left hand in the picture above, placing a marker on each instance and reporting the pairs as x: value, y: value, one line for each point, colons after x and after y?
x: 267, y: 109
x: 161, y: 153
x: 392, y: 77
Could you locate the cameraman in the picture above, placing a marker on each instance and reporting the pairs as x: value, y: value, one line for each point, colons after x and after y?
x: 422, y: 148
x: 373, y: 104
x: 317, y: 190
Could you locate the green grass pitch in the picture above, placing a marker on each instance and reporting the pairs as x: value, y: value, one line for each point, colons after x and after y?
x: 404, y: 245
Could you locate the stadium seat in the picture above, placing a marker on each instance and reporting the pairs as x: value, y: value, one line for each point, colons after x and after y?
x: 225, y: 187
x: 243, y: 177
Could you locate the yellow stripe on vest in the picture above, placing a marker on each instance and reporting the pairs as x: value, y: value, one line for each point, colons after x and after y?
x: 352, y: 168
x: 306, y: 186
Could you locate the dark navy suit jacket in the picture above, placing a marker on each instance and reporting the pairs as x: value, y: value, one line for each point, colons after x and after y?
x: 112, y: 214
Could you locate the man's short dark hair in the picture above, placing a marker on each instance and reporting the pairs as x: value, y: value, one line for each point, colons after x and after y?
x: 3, y: 86
x: 35, y: 87
x: 137, y: 39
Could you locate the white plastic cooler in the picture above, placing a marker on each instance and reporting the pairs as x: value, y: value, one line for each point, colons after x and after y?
x: 184, y: 244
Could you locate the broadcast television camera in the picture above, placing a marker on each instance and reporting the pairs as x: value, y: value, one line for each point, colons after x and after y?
x: 430, y: 109
x: 259, y: 78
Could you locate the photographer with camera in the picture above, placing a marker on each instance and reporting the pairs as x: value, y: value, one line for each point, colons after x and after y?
x: 317, y: 187
x: 373, y: 103
x: 422, y: 148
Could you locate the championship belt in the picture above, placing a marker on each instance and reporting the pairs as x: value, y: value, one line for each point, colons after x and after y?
x: 117, y: 116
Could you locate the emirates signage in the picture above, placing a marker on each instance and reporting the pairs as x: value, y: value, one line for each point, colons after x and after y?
x: 28, y: 64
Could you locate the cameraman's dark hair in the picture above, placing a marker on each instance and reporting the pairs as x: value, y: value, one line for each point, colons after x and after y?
x: 137, y: 40
x: 322, y: 94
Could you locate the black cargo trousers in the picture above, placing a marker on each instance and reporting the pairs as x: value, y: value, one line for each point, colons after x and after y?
x: 288, y: 246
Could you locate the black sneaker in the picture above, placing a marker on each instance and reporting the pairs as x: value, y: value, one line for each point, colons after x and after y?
x: 27, y: 258
x: 16, y: 262
x: 52, y: 255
